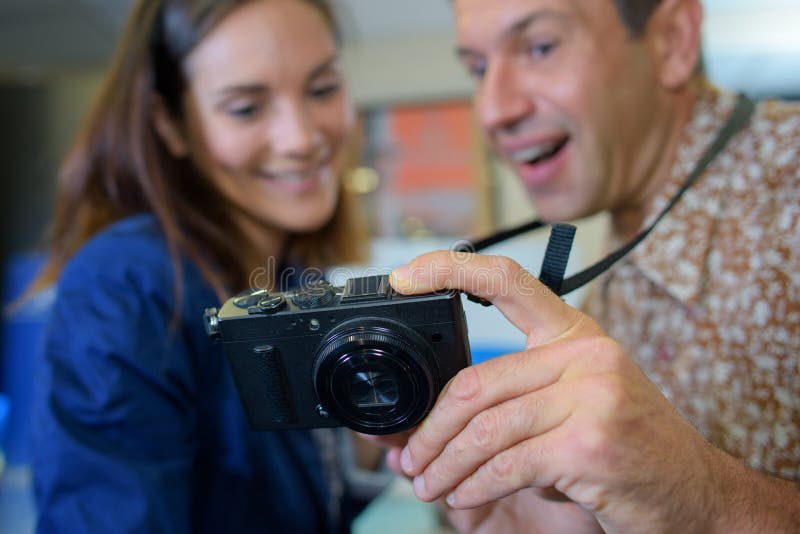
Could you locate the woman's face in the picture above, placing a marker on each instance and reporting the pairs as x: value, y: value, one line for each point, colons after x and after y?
x: 267, y: 117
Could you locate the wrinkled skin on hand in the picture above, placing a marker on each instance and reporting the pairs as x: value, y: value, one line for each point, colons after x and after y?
x: 567, y: 435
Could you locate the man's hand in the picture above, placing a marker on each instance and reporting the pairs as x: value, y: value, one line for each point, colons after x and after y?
x: 571, y: 415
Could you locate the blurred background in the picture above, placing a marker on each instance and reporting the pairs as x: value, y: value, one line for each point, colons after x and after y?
x: 426, y: 178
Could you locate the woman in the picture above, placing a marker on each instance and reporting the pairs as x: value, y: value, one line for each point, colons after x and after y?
x: 213, y: 152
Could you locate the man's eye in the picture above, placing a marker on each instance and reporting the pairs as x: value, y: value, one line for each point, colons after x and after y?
x: 477, y: 70
x: 324, y: 91
x: 540, y: 50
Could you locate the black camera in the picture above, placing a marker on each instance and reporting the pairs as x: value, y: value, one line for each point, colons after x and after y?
x: 361, y: 355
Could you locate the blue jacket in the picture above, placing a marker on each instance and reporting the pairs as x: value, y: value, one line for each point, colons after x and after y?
x: 138, y: 425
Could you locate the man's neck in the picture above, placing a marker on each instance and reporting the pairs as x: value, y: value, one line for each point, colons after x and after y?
x: 656, y: 162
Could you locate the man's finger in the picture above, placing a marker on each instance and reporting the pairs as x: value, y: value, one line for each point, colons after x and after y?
x: 479, y: 387
x: 530, y: 305
x: 536, y: 462
x: 493, y: 431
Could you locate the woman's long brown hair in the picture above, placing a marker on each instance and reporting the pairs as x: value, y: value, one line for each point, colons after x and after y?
x: 119, y: 166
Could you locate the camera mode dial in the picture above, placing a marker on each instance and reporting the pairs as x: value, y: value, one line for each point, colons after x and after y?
x: 314, y: 295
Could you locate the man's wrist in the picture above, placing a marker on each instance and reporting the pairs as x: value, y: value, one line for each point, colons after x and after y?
x: 747, y: 500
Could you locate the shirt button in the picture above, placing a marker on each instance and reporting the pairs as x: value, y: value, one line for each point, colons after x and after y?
x: 662, y: 354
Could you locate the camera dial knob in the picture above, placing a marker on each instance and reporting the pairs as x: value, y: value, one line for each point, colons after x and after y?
x: 314, y: 295
x: 250, y: 298
x: 270, y: 304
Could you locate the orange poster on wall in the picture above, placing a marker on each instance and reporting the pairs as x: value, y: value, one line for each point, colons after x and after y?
x: 425, y: 157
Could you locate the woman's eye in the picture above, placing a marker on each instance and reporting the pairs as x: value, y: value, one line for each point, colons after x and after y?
x: 324, y: 91
x: 243, y: 111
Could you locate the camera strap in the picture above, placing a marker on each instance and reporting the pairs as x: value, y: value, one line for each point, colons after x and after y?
x: 561, y: 236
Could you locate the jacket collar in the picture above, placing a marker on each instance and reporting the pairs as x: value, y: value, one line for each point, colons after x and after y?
x: 675, y: 255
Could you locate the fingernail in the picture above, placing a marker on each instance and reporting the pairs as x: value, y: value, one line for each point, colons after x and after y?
x: 400, y: 276
x: 419, y: 486
x: 451, y: 499
x: 405, y: 461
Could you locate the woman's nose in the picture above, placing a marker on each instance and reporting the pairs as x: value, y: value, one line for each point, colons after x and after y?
x: 292, y: 130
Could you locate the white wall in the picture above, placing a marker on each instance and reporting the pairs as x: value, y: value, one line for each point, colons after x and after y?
x: 754, y: 46
x: 407, y: 69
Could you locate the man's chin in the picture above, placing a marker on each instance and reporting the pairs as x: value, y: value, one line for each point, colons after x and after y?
x: 552, y: 208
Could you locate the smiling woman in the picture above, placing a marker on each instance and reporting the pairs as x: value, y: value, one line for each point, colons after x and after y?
x: 215, y: 150
x: 268, y: 129
x: 199, y: 115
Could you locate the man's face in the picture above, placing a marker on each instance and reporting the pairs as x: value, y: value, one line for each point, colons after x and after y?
x: 565, y: 97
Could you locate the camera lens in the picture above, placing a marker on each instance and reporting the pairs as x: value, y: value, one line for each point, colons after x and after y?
x: 373, y: 388
x: 376, y: 376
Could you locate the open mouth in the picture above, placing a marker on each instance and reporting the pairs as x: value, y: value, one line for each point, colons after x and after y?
x: 540, y: 153
x: 297, y: 176
x: 293, y: 182
x: 290, y: 177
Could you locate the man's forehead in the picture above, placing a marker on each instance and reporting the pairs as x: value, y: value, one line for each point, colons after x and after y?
x: 485, y: 24
x: 505, y: 17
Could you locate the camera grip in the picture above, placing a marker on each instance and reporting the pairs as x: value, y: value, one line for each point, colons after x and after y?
x: 279, y: 406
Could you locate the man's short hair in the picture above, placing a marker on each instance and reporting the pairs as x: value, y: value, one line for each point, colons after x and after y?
x: 635, y: 13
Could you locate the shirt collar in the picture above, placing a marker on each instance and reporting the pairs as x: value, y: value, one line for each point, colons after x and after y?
x: 675, y: 254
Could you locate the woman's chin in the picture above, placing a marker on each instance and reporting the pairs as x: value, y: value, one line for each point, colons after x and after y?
x: 312, y: 222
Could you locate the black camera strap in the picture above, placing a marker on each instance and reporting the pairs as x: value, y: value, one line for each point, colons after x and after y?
x: 561, y: 236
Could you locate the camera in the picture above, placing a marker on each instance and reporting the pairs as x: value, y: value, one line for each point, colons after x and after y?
x: 360, y: 355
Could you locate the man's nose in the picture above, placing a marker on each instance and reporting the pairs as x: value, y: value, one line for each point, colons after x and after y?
x: 501, y: 99
x: 293, y: 132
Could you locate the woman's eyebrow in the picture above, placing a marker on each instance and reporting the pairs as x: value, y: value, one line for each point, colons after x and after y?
x: 260, y: 88
x: 325, y: 65
x: 247, y: 88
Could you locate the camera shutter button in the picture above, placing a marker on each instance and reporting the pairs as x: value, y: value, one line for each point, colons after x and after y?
x: 270, y: 304
x: 250, y: 298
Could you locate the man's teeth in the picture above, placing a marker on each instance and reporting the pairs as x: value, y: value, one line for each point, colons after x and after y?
x: 295, y: 176
x: 529, y: 154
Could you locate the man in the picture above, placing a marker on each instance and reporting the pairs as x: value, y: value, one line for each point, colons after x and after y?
x: 601, y: 105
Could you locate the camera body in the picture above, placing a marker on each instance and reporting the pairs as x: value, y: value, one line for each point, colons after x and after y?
x: 360, y: 355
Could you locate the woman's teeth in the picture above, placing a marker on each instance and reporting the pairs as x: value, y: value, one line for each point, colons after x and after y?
x: 289, y: 176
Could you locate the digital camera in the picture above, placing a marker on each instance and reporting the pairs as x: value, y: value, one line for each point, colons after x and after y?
x: 361, y: 355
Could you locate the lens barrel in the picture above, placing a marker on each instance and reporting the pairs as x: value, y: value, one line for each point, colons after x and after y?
x: 376, y: 376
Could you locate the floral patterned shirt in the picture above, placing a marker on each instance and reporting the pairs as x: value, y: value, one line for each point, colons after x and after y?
x: 709, y: 303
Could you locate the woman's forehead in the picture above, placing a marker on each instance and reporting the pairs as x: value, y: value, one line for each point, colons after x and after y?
x: 269, y: 37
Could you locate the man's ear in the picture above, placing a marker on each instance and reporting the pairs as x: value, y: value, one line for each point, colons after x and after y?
x: 674, y: 34
x: 168, y: 129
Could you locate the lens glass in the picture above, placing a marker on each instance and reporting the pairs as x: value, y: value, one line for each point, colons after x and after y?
x: 367, y: 381
x: 373, y: 390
